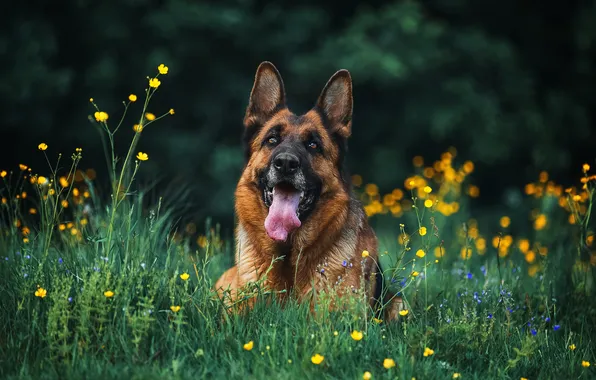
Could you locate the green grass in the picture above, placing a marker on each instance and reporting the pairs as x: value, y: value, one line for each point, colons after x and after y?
x: 483, y: 315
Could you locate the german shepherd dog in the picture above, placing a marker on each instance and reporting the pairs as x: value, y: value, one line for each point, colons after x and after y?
x: 294, y: 201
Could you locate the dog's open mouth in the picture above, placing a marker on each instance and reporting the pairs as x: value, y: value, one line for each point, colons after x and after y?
x: 284, y: 202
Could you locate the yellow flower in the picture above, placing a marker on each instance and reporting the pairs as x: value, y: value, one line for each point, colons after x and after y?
x: 335, y: 333
x: 154, y: 82
x: 388, y: 363
x: 91, y: 100
x: 132, y: 98
x: 41, y: 293
x: 403, y: 313
x: 456, y: 375
x: 63, y: 182
x: 108, y: 294
x: 428, y: 203
x: 163, y: 69
x: 42, y: 146
x: 523, y: 378
x: 377, y: 321
x: 585, y: 363
x: 22, y: 167
x: 317, y: 359
x: 505, y: 221
x: 175, y: 309
x: 572, y: 347
x: 366, y: 376
x: 415, y: 274
x: 540, y: 222
x: 3, y: 173
x: 32, y: 211
x: 428, y: 352
x: 64, y: 203
x: 142, y: 156
x: 25, y: 240
x: 427, y: 189
x: 586, y: 167
x: 422, y: 231
x: 248, y: 346
x: 149, y: 116
x: 101, y: 116
x: 365, y: 254
x: 184, y: 276
x: 41, y: 180
x: 137, y: 128
x: 420, y: 253
x: 356, y: 335
x: 171, y: 111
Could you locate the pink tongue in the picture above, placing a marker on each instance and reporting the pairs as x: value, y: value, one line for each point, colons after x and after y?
x: 282, y: 218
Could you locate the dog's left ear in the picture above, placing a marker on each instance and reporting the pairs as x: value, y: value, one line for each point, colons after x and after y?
x: 336, y: 103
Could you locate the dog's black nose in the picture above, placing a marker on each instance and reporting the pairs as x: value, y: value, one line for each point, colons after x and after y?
x: 286, y: 163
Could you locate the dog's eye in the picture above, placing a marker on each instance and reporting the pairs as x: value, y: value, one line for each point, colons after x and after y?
x: 313, y: 145
x: 272, y: 140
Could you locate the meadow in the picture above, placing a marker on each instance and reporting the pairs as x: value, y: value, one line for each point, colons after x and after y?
x: 95, y: 286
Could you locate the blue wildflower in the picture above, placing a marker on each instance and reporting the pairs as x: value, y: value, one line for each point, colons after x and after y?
x: 469, y: 276
x: 60, y: 261
x: 556, y: 327
x: 69, y: 299
x: 533, y: 332
x: 344, y: 264
x: 490, y: 316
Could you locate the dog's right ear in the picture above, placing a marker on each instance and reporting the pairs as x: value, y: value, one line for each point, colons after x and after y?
x: 267, y: 95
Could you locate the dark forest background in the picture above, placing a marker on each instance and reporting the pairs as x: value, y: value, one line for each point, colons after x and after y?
x: 511, y: 84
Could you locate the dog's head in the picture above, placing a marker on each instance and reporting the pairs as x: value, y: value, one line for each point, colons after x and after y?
x: 294, y: 161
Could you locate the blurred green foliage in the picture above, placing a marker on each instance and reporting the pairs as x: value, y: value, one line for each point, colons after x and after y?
x: 509, y: 84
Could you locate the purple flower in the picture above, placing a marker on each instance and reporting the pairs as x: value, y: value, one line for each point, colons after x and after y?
x: 490, y: 316
x: 556, y: 327
x: 322, y: 270
x: 547, y: 320
x: 344, y: 264
x: 469, y: 276
x: 533, y: 332
x: 60, y: 261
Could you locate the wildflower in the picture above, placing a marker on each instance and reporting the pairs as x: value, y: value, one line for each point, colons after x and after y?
x: 317, y: 359
x: 142, y: 156
x: 586, y: 167
x: 377, y: 321
x: 108, y: 294
x: 149, y: 116
x: 428, y: 203
x: 427, y: 189
x: 505, y: 221
x: 63, y: 182
x: 422, y: 231
x: 91, y: 100
x: 420, y: 253
x: 163, y: 69
x: 523, y: 378
x: 456, y: 375
x: 42, y: 146
x: 366, y: 376
x: 101, y: 116
x: 175, y: 309
x: 41, y: 293
x: 335, y: 333
x: 25, y: 240
x: 64, y: 203
x: 365, y: 254
x: 171, y: 111
x: 540, y: 222
x: 572, y: 347
x: 154, y: 82
x: 137, y: 128
x: 248, y: 346
x: 403, y: 313
x: 356, y: 335
x: 41, y: 180
x: 556, y: 327
x: 388, y: 363
x: 585, y: 363
x: 415, y: 274
x: 32, y: 211
x: 184, y: 276
x: 3, y: 173
x: 132, y: 98
x: 22, y: 167
x: 428, y: 352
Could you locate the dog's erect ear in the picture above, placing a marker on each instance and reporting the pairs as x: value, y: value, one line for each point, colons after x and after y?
x: 336, y: 103
x: 267, y: 95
